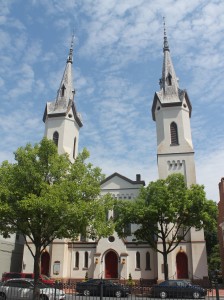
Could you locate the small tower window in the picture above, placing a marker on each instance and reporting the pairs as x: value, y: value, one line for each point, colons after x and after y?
x: 56, y: 138
x: 63, y: 90
x: 169, y: 79
x: 137, y: 260
x: 174, y: 134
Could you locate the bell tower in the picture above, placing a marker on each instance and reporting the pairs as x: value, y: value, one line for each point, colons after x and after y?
x: 171, y: 110
x: 62, y: 121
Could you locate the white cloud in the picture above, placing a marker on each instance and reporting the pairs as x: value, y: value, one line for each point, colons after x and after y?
x: 34, y: 52
x: 5, y: 39
x: 210, y: 168
x: 24, y: 76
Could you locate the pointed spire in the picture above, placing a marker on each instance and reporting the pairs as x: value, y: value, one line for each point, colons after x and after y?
x: 64, y: 104
x: 66, y: 91
x: 169, y: 94
x: 169, y: 81
x: 165, y: 44
x: 70, y: 56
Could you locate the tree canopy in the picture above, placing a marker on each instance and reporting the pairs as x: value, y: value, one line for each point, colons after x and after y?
x: 165, y: 211
x: 43, y: 196
x: 212, y: 243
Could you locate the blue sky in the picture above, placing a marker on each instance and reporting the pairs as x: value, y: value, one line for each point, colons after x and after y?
x: 117, y: 65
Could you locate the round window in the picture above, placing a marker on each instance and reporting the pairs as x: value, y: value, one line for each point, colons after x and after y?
x: 111, y: 239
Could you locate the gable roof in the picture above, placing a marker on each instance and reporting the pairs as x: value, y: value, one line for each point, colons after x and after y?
x: 138, y: 177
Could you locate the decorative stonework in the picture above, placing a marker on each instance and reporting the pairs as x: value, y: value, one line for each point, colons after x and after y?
x: 175, y: 165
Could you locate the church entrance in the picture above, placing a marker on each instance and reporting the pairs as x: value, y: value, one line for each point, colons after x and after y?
x: 45, y: 263
x: 182, y: 265
x: 111, y: 265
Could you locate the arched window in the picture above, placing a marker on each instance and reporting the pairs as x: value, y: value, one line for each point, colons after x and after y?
x: 86, y: 258
x: 174, y: 134
x: 137, y: 260
x: 56, y: 138
x: 147, y: 259
x: 77, y: 259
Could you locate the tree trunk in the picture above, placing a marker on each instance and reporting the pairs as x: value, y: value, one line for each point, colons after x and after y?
x: 165, y: 266
x: 36, y: 292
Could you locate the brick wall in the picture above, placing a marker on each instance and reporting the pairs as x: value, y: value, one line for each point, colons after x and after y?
x: 221, y: 220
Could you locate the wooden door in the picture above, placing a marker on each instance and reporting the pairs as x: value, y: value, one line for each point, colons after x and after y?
x: 45, y: 263
x: 182, y: 265
x: 111, y: 265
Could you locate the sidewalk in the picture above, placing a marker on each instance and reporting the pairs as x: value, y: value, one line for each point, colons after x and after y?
x: 213, y: 292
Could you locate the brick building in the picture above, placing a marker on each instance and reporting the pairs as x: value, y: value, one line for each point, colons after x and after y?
x: 221, y: 223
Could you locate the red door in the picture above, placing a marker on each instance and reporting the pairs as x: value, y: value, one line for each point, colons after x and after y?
x: 45, y: 263
x: 182, y: 265
x: 111, y: 265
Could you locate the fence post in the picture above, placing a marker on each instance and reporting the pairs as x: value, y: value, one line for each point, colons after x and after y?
x: 214, y: 278
x: 55, y: 287
x: 55, y: 290
x: 101, y: 290
x: 217, y: 290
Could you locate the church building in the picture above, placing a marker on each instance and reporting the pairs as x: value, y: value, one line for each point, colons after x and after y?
x: 113, y: 257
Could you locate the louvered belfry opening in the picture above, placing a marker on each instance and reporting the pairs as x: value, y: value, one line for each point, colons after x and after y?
x: 174, y: 134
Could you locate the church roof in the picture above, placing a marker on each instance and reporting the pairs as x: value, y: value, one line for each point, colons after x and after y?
x: 137, y: 181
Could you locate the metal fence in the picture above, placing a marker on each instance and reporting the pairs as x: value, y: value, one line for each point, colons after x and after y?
x: 138, y: 292
x: 135, y: 292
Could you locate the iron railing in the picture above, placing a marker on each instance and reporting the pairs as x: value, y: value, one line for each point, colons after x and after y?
x: 136, y: 291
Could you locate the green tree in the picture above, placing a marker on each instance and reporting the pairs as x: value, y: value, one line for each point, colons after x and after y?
x: 212, y: 244
x: 165, y: 211
x: 44, y: 197
x: 214, y: 260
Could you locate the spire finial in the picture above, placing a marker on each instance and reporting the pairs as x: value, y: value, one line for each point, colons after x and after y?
x: 71, y: 49
x: 165, y: 45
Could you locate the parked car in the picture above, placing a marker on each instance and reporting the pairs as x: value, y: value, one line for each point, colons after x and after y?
x: 18, y: 289
x: 177, y: 289
x: 95, y: 286
x: 43, y: 278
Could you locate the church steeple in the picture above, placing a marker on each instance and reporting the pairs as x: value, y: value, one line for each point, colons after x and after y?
x: 64, y: 101
x: 170, y: 94
x: 66, y: 91
x: 62, y: 121
x: 171, y: 110
x: 169, y: 81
